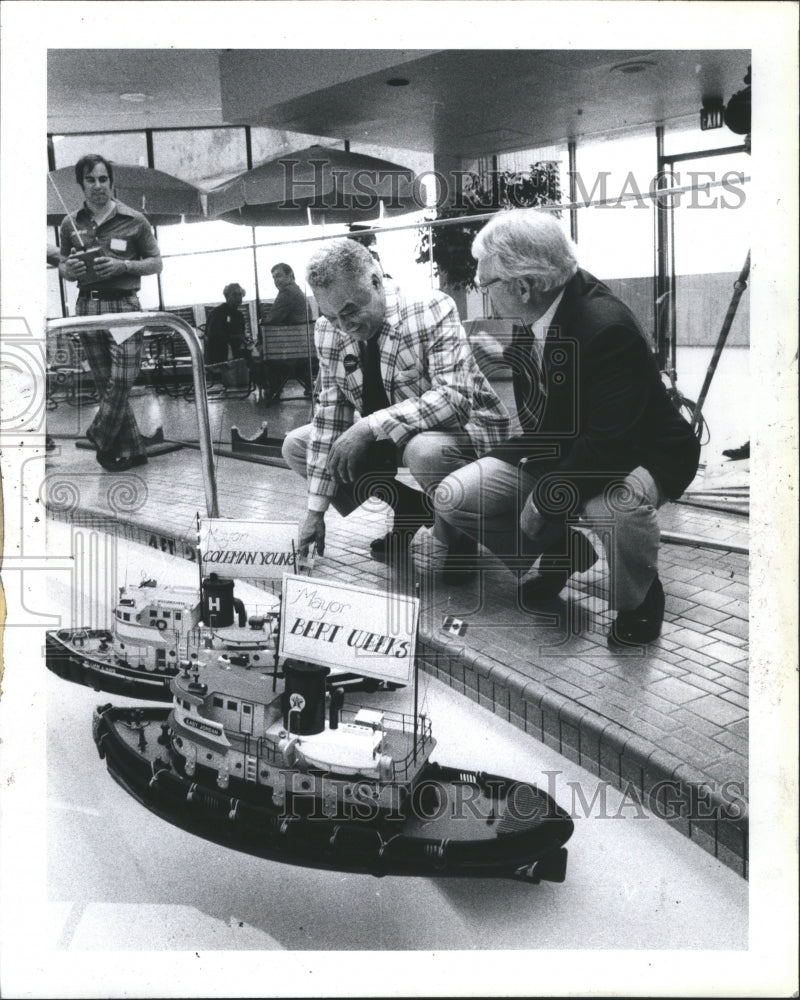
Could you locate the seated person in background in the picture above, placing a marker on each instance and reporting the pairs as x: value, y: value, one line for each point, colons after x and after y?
x: 600, y: 439
x: 225, y: 329
x: 290, y: 307
x: 404, y: 363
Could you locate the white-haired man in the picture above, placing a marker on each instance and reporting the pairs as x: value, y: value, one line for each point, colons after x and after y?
x: 404, y: 364
x: 601, y: 443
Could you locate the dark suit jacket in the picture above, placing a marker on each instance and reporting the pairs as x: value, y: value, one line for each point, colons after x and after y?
x: 290, y: 307
x: 604, y: 411
x: 225, y: 327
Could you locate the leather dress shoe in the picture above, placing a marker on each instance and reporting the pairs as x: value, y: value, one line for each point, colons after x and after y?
x: 108, y: 459
x: 460, y: 562
x: 157, y: 437
x: 551, y: 581
x: 120, y: 464
x: 640, y: 625
x: 392, y: 545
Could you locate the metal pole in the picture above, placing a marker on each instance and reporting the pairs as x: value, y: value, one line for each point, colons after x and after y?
x: 662, y: 291
x: 573, y: 189
x: 151, y: 162
x: 738, y: 289
x: 108, y: 321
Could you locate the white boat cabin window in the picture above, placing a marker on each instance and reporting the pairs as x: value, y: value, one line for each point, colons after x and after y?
x: 218, y: 702
x: 177, y: 616
x: 233, y: 706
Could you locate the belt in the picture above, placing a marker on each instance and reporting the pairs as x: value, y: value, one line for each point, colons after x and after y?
x: 108, y: 294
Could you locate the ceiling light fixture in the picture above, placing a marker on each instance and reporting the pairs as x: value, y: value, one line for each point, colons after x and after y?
x: 633, y: 66
x: 134, y: 97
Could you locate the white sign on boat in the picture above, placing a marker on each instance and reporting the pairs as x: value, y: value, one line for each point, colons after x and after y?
x: 367, y: 632
x: 247, y: 550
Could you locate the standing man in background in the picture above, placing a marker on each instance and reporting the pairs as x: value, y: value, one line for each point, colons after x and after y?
x: 109, y: 284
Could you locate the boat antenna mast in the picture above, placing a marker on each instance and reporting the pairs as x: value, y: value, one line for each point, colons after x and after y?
x: 200, y: 567
x: 416, y: 679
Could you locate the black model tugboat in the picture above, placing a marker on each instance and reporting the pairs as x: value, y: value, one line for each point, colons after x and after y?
x: 297, y: 778
x: 154, y: 628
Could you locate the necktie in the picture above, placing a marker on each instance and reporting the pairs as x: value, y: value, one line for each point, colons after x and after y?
x: 374, y: 393
x: 530, y: 386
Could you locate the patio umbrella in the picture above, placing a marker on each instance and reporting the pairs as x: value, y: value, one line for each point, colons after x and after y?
x: 317, y: 184
x: 164, y: 199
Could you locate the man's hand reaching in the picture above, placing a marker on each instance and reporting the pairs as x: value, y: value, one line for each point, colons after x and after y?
x: 312, y: 531
x: 348, y: 451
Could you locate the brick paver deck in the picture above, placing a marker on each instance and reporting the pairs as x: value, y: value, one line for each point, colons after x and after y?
x: 667, y: 724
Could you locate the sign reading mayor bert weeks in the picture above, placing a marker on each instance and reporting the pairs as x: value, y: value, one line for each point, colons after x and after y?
x: 248, y: 550
x: 366, y: 632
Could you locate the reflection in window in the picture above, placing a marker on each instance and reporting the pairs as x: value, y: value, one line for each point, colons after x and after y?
x: 119, y: 147
x: 205, y: 157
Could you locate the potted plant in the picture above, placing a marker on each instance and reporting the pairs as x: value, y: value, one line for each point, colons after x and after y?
x: 451, y: 245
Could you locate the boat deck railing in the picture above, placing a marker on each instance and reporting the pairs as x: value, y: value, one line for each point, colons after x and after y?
x: 266, y: 750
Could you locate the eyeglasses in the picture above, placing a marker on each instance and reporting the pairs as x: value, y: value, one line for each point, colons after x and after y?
x: 483, y: 285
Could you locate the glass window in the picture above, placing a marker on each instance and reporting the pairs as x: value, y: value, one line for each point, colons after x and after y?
x: 119, y: 147
x: 686, y: 136
x: 201, y: 258
x: 203, y: 156
x: 619, y: 172
x: 269, y: 143
x: 218, y: 702
x: 616, y: 239
x: 233, y: 706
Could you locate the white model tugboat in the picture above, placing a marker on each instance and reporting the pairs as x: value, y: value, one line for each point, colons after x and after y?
x: 156, y: 627
x: 296, y: 777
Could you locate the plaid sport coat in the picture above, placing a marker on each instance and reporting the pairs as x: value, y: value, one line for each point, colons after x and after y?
x: 430, y: 375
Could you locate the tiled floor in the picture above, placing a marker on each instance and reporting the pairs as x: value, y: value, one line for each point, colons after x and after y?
x: 667, y: 724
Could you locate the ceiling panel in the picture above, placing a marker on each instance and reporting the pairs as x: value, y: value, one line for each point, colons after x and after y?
x: 457, y: 102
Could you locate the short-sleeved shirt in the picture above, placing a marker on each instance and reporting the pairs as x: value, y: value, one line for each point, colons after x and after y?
x: 125, y: 234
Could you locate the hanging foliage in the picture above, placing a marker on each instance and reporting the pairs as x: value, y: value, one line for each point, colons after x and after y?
x: 451, y: 245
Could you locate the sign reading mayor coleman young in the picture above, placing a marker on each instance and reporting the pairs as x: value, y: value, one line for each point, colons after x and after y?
x: 248, y: 550
x: 365, y: 632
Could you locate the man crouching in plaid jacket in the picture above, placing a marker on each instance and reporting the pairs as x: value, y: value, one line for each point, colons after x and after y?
x: 404, y: 364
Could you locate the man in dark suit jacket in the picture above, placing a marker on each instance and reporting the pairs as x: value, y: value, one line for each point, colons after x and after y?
x: 290, y: 307
x: 601, y: 444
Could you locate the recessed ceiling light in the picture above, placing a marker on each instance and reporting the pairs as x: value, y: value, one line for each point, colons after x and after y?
x: 397, y: 81
x: 134, y: 98
x: 633, y: 66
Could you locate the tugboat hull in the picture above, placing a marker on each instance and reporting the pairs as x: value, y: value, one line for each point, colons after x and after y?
x: 71, y: 665
x: 456, y: 823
